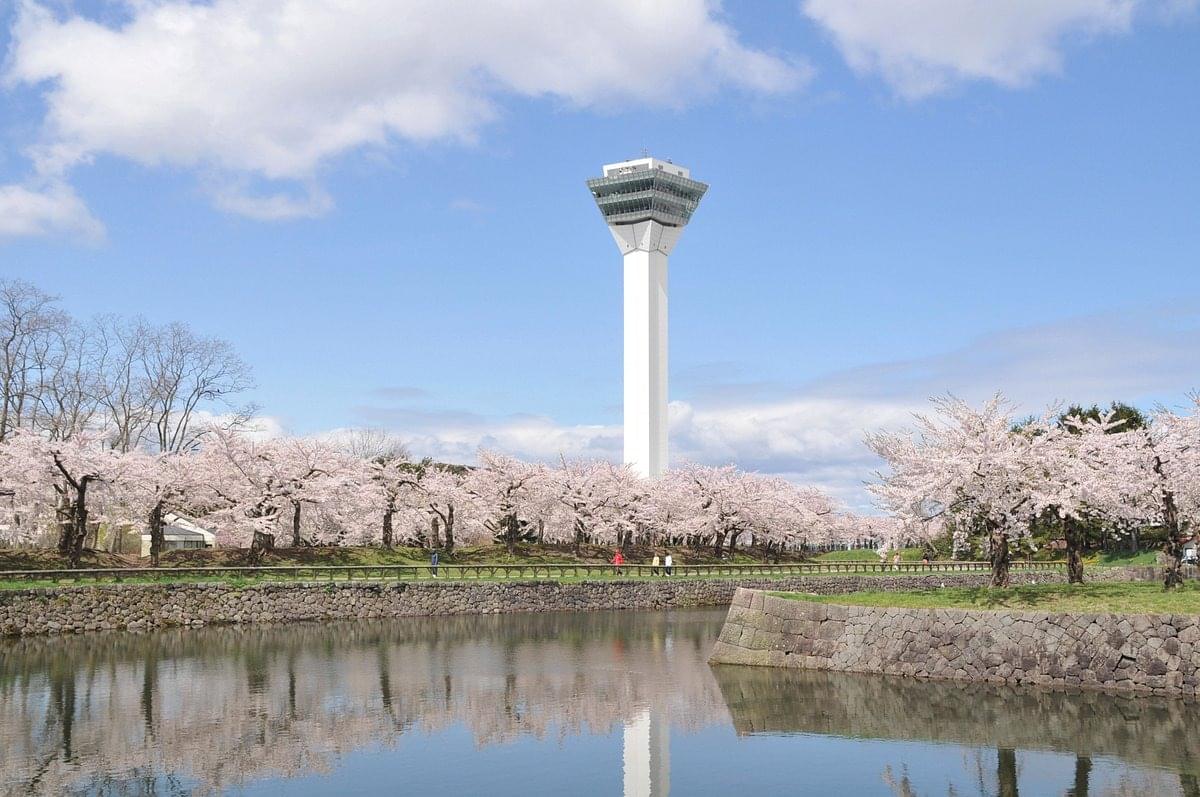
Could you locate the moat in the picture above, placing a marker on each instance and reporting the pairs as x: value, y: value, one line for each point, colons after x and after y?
x: 583, y: 703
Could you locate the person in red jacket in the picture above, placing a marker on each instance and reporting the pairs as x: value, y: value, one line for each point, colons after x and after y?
x: 617, y: 561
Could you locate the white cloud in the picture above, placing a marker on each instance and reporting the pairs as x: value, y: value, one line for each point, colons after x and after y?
x: 815, y: 434
x: 922, y: 47
x: 271, y: 90
x: 45, y: 210
x: 235, y: 198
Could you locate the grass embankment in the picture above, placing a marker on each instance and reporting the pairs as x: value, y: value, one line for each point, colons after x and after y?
x: 514, y: 572
x: 521, y: 564
x: 1097, y: 559
x: 1121, y: 558
x: 1114, y: 598
x: 525, y: 554
x: 319, y: 577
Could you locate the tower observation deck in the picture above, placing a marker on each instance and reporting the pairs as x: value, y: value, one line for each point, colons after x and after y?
x: 646, y: 203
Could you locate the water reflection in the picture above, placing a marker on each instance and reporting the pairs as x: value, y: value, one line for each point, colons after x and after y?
x: 1155, y: 733
x: 223, y: 706
x: 597, y: 703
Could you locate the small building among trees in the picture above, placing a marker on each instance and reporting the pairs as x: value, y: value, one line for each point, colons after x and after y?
x: 180, y: 533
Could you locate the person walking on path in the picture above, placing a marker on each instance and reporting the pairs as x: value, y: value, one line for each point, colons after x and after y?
x: 617, y: 561
x: 668, y: 563
x: 654, y: 565
x: 433, y: 563
x: 896, y: 561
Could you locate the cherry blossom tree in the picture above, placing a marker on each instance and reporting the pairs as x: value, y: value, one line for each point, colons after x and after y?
x: 1092, y: 472
x: 504, y: 489
x: 965, y: 469
x: 65, y: 472
x: 594, y: 497
x: 387, y: 475
x: 1173, y: 449
x: 719, y: 505
x: 441, y: 491
x: 790, y: 517
x: 158, y: 484
x: 261, y: 486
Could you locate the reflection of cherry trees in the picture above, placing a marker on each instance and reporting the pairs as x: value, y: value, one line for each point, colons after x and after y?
x: 223, y: 706
x: 206, y: 710
x: 1001, y: 722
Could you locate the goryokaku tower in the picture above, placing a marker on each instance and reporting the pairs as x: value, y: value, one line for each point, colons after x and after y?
x: 646, y: 203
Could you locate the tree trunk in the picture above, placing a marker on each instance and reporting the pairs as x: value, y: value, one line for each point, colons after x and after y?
x: 157, y: 536
x: 1134, y: 543
x: 541, y: 535
x: 296, y: 541
x: 510, y: 534
x: 448, y: 527
x: 73, y: 522
x: 116, y: 541
x: 1006, y: 772
x: 261, y: 543
x: 435, y: 535
x: 387, y: 526
x: 999, y: 554
x: 578, y: 536
x: 64, y: 512
x: 719, y: 544
x: 80, y: 531
x: 1073, y: 535
x: 1172, y: 545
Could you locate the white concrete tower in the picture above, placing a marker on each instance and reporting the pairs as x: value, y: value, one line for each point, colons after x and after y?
x: 646, y: 203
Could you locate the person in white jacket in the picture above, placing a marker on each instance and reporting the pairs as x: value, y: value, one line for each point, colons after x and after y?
x: 668, y: 563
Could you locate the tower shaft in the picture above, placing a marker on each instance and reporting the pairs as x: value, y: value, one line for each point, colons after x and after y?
x: 646, y: 203
x: 646, y: 361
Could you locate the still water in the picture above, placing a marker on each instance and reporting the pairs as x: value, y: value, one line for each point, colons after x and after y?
x: 577, y: 704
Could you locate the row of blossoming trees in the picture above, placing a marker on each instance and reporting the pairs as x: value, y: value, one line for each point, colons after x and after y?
x: 978, y: 473
x: 362, y: 490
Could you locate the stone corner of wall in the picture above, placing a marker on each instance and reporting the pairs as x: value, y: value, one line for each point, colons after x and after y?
x: 1147, y: 653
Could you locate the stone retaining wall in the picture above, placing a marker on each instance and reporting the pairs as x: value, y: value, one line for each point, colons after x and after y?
x: 1137, y: 653
x: 114, y: 606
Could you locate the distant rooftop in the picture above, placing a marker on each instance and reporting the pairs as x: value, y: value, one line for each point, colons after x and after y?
x: 646, y: 189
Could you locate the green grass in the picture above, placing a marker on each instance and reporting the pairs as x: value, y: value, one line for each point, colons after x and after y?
x: 241, y: 581
x: 1115, y: 598
x: 1119, y: 558
x: 284, y: 556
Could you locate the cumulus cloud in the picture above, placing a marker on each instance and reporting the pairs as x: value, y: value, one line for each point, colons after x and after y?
x: 923, y: 47
x: 274, y: 89
x: 46, y: 210
x: 814, y: 434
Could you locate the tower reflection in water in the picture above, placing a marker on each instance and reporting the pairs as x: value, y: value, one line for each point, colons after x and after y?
x: 646, y: 755
x: 543, y: 699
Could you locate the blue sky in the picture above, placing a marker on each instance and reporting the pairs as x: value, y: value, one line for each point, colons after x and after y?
x: 383, y: 206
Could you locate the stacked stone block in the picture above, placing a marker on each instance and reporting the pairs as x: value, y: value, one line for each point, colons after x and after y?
x: 1137, y: 653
